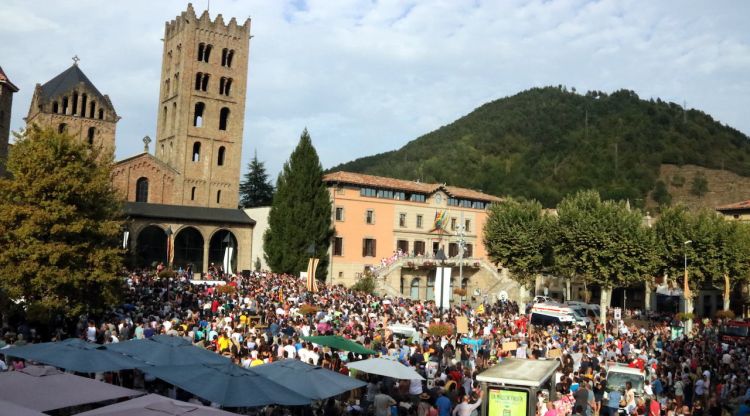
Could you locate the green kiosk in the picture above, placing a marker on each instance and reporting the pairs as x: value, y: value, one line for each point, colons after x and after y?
x: 510, y: 388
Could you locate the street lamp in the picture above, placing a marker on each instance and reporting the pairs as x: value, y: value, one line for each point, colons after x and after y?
x: 686, y: 289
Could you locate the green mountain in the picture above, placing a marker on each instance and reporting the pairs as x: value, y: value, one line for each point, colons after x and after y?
x: 544, y: 143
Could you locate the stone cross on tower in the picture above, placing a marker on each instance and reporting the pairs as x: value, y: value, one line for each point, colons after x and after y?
x: 146, y: 141
x: 75, y: 60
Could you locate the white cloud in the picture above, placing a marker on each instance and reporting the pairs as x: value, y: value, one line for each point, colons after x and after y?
x: 367, y: 76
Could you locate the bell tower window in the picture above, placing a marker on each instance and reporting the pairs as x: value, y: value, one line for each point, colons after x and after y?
x: 223, y: 118
x: 196, y: 152
x: 218, y: 197
x: 198, y: 114
x: 220, y: 160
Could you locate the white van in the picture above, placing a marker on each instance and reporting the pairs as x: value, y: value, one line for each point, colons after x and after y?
x: 560, y: 309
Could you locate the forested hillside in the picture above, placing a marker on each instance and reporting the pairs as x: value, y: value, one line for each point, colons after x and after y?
x: 547, y: 142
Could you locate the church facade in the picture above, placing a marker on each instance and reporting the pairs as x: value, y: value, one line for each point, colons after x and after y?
x: 181, y: 202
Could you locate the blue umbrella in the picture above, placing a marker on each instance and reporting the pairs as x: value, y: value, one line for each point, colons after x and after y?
x: 311, y: 381
x: 74, y: 354
x: 228, y: 385
x: 166, y: 350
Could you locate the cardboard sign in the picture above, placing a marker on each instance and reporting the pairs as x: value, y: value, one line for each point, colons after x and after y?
x: 510, y: 346
x: 554, y: 353
x: 462, y: 325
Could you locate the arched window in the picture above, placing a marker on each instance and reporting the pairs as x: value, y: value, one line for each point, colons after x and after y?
x: 166, y: 87
x: 218, y: 197
x: 222, y: 81
x: 414, y: 289
x: 101, y: 114
x: 196, y: 152
x: 220, y: 159
x: 75, y: 104
x: 198, y: 78
x: 224, y: 53
x: 141, y: 190
x: 227, y: 86
x: 204, y: 84
x: 90, y: 135
x: 198, y: 114
x: 230, y: 55
x: 207, y: 53
x: 83, y: 105
x: 55, y: 107
x: 164, y: 117
x: 201, y: 50
x: 62, y: 127
x: 92, y: 107
x: 223, y: 118
x: 65, y: 105
x: 224, y: 85
x: 192, y: 194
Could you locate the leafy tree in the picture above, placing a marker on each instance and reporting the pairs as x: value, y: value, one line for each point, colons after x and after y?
x: 734, y: 263
x: 603, y: 242
x: 699, y: 185
x: 661, y: 194
x: 256, y: 190
x: 517, y: 236
x: 60, y: 228
x: 300, y: 215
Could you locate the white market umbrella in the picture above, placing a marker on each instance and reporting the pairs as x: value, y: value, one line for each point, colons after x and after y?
x: 155, y: 405
x: 385, y: 367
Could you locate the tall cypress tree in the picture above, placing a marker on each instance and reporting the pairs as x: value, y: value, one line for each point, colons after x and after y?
x: 255, y: 189
x: 300, y: 215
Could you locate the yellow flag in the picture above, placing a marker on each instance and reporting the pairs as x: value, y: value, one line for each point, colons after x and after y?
x: 480, y: 309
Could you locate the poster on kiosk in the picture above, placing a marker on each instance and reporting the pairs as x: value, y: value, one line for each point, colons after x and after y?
x: 511, y: 386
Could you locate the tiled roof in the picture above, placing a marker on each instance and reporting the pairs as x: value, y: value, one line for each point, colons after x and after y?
x: 5, y: 80
x: 185, y: 213
x: 404, y: 185
x: 735, y: 206
x: 66, y: 81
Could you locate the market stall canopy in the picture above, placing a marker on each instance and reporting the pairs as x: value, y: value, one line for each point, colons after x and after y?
x: 45, y: 388
x: 166, y: 350
x: 340, y: 343
x: 314, y: 382
x: 228, y: 385
x: 385, y: 367
x: 8, y: 408
x: 74, y: 354
x: 155, y: 405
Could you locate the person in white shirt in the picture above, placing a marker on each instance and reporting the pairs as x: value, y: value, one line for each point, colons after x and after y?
x: 464, y: 408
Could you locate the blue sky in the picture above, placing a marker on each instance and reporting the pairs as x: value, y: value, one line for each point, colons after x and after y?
x: 367, y: 76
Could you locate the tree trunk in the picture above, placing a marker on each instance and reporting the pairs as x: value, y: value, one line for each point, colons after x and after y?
x: 604, y: 300
x: 727, y: 291
x: 647, y: 296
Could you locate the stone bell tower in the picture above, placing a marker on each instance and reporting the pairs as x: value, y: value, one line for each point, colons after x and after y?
x: 7, y: 89
x: 202, y: 107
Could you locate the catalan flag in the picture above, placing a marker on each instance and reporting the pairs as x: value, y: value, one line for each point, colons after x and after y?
x: 480, y: 309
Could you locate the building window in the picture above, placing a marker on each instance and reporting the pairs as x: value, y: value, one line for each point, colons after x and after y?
x: 92, y: 108
x: 469, y: 251
x: 90, y: 135
x: 225, y: 84
x: 62, y: 128
x: 141, y: 190
x: 367, y: 192
x: 198, y: 114
x: 192, y: 194
x: 338, y: 246
x: 419, y: 220
x: 223, y: 118
x: 75, y: 104
x: 84, y: 98
x: 402, y: 220
x: 417, y: 198
x: 204, y: 52
x: 220, y: 159
x: 101, y: 114
x: 452, y: 249
x: 65, y: 105
x: 368, y: 247
x: 414, y: 289
x: 218, y: 197
x: 55, y: 107
x: 467, y: 226
x: 453, y: 224
x: 370, y: 216
x: 402, y: 246
x: 419, y: 248
x: 339, y: 213
x: 196, y: 152
x: 226, y: 57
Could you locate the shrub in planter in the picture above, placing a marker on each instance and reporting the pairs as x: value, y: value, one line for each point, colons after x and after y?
x: 725, y: 315
x: 167, y: 274
x: 307, y: 309
x: 440, y: 329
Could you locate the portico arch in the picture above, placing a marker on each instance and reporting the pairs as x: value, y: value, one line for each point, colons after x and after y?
x: 188, y: 249
x: 217, y: 249
x: 151, y: 246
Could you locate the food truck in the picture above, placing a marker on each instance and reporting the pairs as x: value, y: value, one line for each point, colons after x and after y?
x: 510, y: 388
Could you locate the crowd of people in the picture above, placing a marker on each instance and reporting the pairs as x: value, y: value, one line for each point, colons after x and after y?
x: 261, y: 317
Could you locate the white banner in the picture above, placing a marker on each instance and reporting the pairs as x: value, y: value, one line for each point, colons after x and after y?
x: 125, y: 236
x: 442, y: 287
x: 228, y: 259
